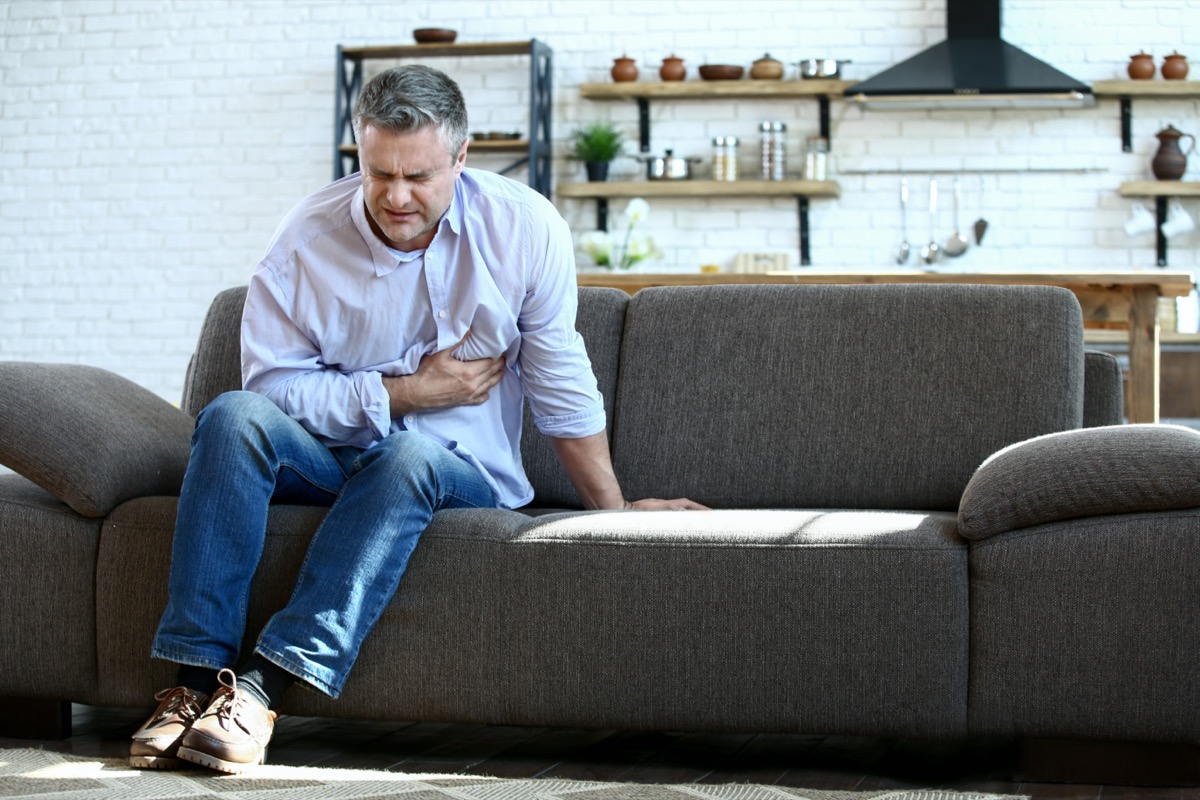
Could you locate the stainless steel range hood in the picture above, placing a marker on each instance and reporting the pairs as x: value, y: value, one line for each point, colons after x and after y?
x: 972, y: 68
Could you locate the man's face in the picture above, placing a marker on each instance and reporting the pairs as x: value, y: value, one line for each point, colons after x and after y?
x: 408, y: 181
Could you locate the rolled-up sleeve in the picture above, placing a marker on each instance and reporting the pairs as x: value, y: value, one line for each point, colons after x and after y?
x: 557, y: 373
x: 281, y: 362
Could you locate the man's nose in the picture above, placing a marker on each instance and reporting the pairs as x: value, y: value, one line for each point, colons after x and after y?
x: 398, y: 195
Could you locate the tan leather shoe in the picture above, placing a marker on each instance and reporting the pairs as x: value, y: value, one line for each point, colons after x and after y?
x: 232, y: 734
x: 156, y: 743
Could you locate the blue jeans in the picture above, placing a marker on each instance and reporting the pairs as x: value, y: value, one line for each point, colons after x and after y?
x: 245, y: 453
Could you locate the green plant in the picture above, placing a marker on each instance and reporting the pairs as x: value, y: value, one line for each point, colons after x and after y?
x: 598, y: 142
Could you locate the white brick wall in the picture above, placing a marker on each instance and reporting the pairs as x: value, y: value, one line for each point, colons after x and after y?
x: 149, y: 147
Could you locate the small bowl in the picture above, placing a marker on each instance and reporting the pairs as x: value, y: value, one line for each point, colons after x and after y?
x: 721, y: 72
x: 434, y: 35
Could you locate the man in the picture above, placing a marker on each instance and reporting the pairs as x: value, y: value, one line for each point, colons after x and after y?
x: 390, y: 334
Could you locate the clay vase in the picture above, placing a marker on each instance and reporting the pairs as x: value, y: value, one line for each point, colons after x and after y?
x: 766, y: 69
x: 624, y: 69
x: 1141, y: 66
x: 672, y: 69
x: 1174, y: 67
x: 1170, y: 162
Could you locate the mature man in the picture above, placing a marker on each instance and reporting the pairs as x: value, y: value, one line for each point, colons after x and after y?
x: 390, y: 335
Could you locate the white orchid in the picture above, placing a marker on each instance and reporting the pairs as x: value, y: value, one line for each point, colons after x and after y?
x: 601, y: 249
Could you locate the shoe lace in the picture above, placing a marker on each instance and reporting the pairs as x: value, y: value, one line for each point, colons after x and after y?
x: 181, y: 701
x: 234, y: 699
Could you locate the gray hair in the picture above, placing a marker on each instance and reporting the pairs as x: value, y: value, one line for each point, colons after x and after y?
x: 412, y: 97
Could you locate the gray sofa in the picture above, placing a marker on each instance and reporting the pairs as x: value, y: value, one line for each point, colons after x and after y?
x: 929, y: 522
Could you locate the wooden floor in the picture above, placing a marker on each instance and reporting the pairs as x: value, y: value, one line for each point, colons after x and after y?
x: 829, y: 762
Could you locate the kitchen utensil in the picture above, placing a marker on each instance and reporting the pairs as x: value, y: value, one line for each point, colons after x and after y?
x: 904, y: 248
x: 721, y: 72
x: 1178, y: 220
x: 957, y: 244
x: 1140, y: 220
x: 1141, y: 66
x: 672, y: 69
x: 434, y: 35
x: 669, y: 167
x: 929, y: 253
x: 822, y: 67
x: 1174, y: 67
x: 624, y: 69
x: 981, y: 224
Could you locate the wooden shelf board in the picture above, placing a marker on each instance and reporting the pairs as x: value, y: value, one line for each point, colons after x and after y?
x: 699, y: 188
x: 1150, y: 88
x: 702, y: 88
x: 498, y: 146
x: 429, y: 50
x: 1160, y: 189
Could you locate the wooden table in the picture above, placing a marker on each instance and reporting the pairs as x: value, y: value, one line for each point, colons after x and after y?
x: 1120, y: 300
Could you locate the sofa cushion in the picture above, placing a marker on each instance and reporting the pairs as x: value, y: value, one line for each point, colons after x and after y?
x: 1111, y: 470
x: 600, y: 320
x: 89, y: 437
x: 838, y: 396
x: 766, y: 621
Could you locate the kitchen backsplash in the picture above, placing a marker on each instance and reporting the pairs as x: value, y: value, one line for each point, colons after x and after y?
x: 149, y: 149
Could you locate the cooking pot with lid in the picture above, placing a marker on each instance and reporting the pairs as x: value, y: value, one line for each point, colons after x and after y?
x: 669, y: 167
x: 822, y: 67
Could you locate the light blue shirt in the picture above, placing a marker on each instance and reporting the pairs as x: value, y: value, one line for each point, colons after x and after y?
x: 331, y: 310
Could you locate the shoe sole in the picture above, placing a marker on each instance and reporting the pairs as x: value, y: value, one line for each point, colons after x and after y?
x: 155, y: 762
x: 219, y: 764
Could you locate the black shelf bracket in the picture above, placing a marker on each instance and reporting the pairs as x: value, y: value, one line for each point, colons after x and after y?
x: 823, y: 104
x: 602, y: 213
x: 805, y: 252
x: 348, y: 84
x: 1160, y: 239
x: 1126, y: 124
x: 643, y: 104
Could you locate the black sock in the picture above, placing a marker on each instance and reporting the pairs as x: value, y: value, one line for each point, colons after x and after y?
x: 264, y: 681
x: 198, y: 679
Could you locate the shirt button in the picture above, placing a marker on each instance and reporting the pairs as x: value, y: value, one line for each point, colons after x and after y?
x: 408, y: 420
x: 441, y: 315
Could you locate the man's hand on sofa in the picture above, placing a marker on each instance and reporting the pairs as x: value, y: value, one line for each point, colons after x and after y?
x: 589, y: 466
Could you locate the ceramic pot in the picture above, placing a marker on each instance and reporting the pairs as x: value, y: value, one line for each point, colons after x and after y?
x: 624, y: 69
x: 672, y: 69
x: 1141, y: 66
x: 766, y: 69
x: 1174, y: 67
x: 596, y: 170
x: 1170, y: 162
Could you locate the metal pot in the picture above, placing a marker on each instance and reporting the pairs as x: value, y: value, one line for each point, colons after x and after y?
x: 669, y: 167
x: 822, y: 67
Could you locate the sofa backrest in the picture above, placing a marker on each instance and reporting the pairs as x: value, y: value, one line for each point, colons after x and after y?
x: 838, y: 396
x: 215, y: 368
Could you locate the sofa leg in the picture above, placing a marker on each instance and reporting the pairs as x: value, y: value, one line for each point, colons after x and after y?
x: 1110, y: 763
x: 22, y: 718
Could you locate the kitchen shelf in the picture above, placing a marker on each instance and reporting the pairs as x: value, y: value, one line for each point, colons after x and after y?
x: 699, y: 188
x: 1160, y: 191
x: 1127, y: 90
x: 603, y: 191
x: 822, y: 89
x: 536, y: 148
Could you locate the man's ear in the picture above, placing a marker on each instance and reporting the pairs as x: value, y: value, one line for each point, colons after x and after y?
x: 460, y: 160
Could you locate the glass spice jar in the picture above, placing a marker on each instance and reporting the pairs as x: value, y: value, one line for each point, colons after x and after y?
x: 774, y: 163
x: 725, y: 158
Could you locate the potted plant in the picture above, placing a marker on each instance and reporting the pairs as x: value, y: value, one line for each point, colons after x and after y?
x: 596, y: 145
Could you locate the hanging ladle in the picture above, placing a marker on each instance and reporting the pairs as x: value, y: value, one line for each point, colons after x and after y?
x: 930, y: 251
x: 957, y: 244
x: 903, y: 249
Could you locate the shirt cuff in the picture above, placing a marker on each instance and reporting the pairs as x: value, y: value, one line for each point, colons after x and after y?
x: 573, y: 426
x: 376, y: 404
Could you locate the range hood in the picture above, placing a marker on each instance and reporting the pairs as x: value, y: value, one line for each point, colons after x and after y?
x: 972, y: 68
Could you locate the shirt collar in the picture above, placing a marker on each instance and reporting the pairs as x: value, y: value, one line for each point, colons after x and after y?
x: 385, y: 262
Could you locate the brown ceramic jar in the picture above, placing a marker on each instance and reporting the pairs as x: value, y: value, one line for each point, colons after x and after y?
x: 1170, y: 162
x: 1174, y: 67
x: 672, y: 69
x: 624, y: 69
x: 766, y: 69
x: 1141, y: 66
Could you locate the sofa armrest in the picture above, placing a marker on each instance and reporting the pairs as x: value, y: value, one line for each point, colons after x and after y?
x: 89, y: 437
x: 1082, y: 473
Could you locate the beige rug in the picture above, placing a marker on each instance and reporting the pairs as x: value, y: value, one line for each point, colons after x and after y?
x: 52, y: 776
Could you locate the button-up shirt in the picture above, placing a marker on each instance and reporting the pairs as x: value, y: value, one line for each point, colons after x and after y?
x: 331, y: 310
